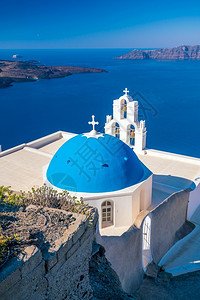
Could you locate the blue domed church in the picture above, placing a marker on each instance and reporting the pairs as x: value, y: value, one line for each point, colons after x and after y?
x: 105, y: 171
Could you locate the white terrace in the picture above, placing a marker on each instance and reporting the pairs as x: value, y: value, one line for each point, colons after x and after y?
x: 21, y: 167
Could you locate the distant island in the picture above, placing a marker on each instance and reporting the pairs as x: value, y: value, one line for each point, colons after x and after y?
x: 176, y: 53
x: 19, y: 71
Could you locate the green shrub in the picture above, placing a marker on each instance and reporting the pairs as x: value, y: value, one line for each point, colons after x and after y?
x: 5, y: 243
x: 44, y: 196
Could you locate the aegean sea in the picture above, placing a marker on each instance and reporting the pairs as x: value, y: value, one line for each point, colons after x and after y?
x: 168, y: 93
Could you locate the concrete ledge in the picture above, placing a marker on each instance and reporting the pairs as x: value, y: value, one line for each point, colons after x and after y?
x: 173, y: 156
x: 33, y: 150
x: 187, y: 268
x: 45, y: 140
x: 12, y: 150
x: 164, y: 187
x: 68, y: 135
x: 39, y: 142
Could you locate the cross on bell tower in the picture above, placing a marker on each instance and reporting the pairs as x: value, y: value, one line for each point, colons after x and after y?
x: 126, y: 91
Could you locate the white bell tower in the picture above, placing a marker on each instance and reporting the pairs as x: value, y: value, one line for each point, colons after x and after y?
x: 125, y: 125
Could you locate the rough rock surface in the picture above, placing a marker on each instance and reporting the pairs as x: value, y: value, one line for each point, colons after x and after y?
x: 104, y: 280
x: 176, y: 53
x: 16, y: 71
x: 51, y: 254
x: 34, y: 226
x: 165, y: 287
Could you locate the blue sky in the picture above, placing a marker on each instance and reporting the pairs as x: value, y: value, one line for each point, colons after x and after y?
x: 98, y: 24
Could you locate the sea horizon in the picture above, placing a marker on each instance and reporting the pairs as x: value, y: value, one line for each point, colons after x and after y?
x: 167, y: 91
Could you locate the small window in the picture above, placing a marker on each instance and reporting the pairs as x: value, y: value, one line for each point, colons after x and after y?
x: 107, y: 214
x: 105, y: 165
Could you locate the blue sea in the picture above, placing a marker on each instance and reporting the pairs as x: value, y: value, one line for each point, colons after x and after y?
x: 168, y: 93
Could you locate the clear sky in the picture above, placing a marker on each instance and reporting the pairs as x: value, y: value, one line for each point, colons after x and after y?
x: 99, y: 24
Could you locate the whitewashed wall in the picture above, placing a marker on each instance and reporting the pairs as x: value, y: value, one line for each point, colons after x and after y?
x: 194, y: 200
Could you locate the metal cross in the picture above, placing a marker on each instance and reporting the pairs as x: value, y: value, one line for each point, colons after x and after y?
x: 126, y: 91
x: 93, y: 123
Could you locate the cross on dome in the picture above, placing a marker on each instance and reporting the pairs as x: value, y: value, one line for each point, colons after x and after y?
x: 93, y: 132
x: 93, y: 123
x: 126, y: 91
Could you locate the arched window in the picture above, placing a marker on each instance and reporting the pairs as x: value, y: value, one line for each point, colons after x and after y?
x: 107, y: 213
x: 146, y: 241
x: 131, y: 135
x: 123, y: 109
x: 116, y: 130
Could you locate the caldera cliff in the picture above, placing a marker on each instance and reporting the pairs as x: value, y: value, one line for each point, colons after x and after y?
x: 176, y: 53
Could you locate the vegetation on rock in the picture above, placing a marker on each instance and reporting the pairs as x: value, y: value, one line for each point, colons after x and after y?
x: 20, y: 227
x: 44, y: 196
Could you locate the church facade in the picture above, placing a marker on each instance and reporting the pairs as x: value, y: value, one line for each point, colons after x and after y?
x: 104, y: 170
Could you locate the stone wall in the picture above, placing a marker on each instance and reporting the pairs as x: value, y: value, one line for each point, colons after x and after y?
x: 60, y: 273
x: 167, y: 219
x: 124, y: 253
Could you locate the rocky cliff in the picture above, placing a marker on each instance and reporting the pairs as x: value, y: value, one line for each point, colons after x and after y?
x: 176, y: 53
x: 52, y: 255
x: 15, y: 71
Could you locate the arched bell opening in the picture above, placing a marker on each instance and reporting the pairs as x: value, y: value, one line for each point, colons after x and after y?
x: 131, y: 135
x: 116, y: 130
x: 123, y: 109
x: 107, y: 213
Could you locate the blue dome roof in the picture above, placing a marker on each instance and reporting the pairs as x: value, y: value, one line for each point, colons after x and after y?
x: 94, y: 165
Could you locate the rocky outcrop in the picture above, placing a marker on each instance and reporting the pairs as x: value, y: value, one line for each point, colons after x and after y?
x: 15, y: 71
x: 52, y: 257
x: 103, y: 279
x: 176, y: 53
x: 166, y: 287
